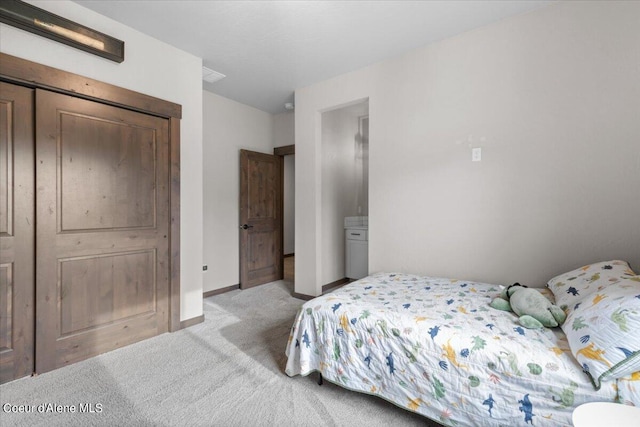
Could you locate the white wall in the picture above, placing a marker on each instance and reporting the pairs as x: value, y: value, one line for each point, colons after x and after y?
x: 153, y: 68
x: 283, y: 129
x: 551, y: 96
x: 342, y: 185
x: 228, y: 127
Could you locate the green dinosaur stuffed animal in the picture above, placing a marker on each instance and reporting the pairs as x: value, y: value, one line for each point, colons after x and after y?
x: 534, y: 309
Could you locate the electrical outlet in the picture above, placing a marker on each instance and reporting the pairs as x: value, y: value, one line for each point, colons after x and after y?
x: 205, y: 268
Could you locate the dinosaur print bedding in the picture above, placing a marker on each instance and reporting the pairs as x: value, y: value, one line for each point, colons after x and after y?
x: 435, y: 347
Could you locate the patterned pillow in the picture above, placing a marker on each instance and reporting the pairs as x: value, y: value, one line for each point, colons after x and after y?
x: 604, y: 331
x: 572, y: 287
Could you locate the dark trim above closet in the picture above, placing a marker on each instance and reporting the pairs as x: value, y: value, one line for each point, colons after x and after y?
x: 30, y: 74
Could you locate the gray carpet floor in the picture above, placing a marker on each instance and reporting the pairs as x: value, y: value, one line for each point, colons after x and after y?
x: 227, y: 371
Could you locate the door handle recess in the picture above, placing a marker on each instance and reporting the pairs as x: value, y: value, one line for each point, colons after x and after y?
x: 245, y: 226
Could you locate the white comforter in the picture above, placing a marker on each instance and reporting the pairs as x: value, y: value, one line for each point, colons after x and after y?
x: 434, y: 346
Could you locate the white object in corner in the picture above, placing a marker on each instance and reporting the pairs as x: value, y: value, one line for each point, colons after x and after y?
x: 597, y: 414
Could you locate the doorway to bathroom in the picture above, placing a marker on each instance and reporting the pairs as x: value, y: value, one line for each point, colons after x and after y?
x: 345, y: 192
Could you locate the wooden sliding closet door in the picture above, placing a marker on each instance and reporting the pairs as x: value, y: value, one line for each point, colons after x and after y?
x: 17, y: 238
x: 102, y: 207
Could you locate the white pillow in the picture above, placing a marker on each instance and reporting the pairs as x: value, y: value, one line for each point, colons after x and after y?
x: 570, y: 288
x: 603, y: 331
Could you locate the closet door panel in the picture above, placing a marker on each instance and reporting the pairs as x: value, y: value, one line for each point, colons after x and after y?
x: 107, y: 175
x: 103, y: 223
x: 17, y: 283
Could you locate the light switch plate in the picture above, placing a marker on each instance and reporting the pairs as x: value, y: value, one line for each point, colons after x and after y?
x: 476, y: 154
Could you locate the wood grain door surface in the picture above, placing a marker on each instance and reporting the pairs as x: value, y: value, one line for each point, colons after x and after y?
x: 102, y: 209
x: 17, y: 228
x: 261, y: 212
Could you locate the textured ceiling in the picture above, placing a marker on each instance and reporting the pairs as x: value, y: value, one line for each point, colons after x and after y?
x: 267, y: 49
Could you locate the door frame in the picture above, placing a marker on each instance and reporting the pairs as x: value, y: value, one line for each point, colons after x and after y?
x: 281, y: 152
x: 37, y: 76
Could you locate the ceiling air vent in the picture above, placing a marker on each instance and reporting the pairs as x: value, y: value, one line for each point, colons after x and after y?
x: 208, y: 75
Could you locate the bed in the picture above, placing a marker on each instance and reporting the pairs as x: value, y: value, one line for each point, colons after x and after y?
x: 435, y: 347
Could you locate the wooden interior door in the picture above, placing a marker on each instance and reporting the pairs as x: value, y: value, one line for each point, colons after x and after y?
x: 260, y: 218
x: 102, y: 209
x: 17, y: 239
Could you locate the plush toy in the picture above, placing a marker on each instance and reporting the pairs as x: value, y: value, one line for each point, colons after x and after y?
x: 534, y: 309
